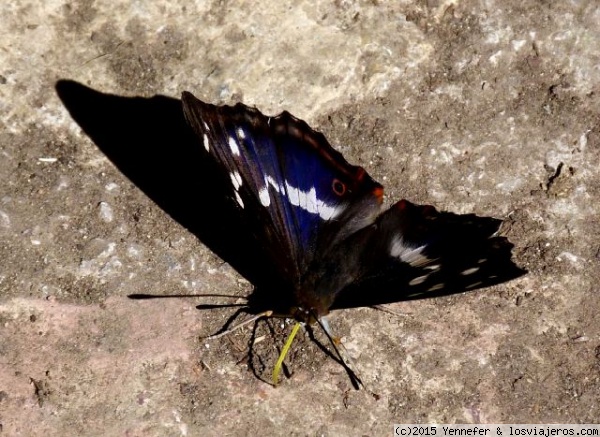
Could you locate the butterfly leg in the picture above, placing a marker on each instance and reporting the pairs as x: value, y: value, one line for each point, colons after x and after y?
x: 342, y: 352
x: 240, y: 325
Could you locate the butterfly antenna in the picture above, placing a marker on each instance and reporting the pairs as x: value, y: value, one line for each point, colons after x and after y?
x: 341, y: 352
x: 240, y: 325
x: 283, y: 354
x: 145, y: 296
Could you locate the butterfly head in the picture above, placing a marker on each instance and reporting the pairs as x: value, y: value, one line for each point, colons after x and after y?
x: 311, y: 304
x: 304, y: 315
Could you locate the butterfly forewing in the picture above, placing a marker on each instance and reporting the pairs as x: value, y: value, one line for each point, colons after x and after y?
x: 299, y: 194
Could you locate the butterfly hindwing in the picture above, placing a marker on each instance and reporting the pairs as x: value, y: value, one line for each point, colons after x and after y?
x: 415, y: 251
x: 299, y: 194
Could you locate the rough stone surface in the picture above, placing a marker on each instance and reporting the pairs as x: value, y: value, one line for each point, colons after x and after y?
x: 487, y: 106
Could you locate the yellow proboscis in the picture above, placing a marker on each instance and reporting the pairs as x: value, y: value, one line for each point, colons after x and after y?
x: 284, y: 352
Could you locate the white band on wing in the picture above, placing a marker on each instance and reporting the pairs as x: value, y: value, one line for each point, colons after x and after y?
x: 307, y: 200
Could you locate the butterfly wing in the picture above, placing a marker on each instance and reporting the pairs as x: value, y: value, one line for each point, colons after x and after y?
x: 414, y: 251
x: 299, y: 195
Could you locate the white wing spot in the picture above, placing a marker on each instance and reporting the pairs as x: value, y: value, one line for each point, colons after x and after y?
x: 308, y: 200
x: 241, y: 133
x: 436, y: 287
x: 206, y: 126
x: 263, y: 195
x: 482, y: 260
x: 327, y: 212
x: 292, y: 193
x: 206, y: 143
x: 236, y: 180
x: 407, y: 253
x: 418, y: 280
x: 272, y: 182
x: 233, y: 146
x: 311, y: 201
x: 239, y: 199
x: 476, y: 284
x: 469, y: 271
x: 433, y: 267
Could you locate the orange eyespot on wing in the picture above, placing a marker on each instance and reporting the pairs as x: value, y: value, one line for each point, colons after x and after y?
x: 338, y: 187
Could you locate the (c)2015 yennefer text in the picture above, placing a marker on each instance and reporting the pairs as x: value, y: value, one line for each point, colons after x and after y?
x: 522, y: 430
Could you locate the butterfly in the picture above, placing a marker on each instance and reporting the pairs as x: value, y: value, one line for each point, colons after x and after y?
x: 321, y: 224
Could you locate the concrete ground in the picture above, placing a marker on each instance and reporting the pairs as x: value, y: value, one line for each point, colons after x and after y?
x: 491, y: 107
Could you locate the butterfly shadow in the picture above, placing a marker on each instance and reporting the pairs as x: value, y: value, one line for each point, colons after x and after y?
x: 148, y: 140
